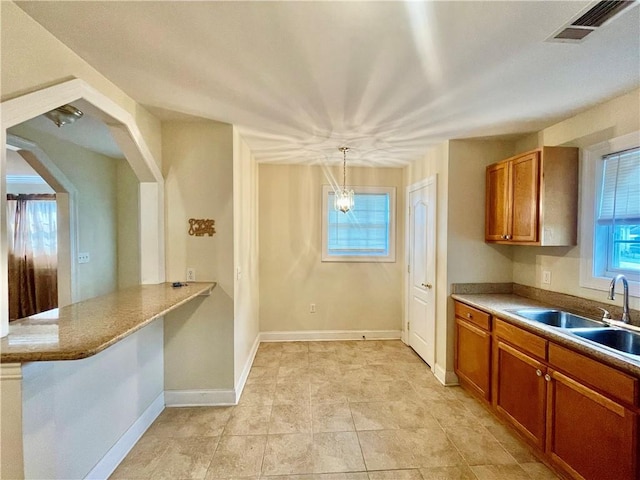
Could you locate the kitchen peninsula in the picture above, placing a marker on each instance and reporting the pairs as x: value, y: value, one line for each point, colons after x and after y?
x: 83, y: 329
x: 86, y: 378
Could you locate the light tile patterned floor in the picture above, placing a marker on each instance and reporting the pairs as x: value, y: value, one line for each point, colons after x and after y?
x: 361, y: 410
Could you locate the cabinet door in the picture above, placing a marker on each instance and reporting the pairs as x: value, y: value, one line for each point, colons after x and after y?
x: 525, y: 185
x: 589, y: 435
x: 520, y: 391
x: 473, y: 357
x: 497, y: 202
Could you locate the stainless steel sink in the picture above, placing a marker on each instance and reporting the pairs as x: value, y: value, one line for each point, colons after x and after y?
x: 557, y: 318
x: 621, y: 340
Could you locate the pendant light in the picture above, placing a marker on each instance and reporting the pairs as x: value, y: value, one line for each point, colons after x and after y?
x: 344, y: 198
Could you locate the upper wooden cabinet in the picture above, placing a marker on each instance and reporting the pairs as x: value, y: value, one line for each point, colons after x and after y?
x: 532, y: 198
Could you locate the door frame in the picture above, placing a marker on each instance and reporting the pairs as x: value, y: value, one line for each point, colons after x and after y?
x: 431, y: 180
x: 67, y: 213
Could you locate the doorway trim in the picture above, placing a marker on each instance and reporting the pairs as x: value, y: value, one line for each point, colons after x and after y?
x: 431, y: 180
x: 67, y: 212
x: 132, y: 143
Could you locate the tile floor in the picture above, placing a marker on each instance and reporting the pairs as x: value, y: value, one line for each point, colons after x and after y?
x: 367, y: 410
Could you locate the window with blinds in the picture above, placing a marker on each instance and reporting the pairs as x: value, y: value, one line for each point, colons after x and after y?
x: 366, y: 232
x: 618, y: 213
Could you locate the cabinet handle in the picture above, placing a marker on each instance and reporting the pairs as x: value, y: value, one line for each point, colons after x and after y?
x: 469, y: 315
x: 547, y: 377
x: 503, y: 237
x: 508, y: 237
x: 539, y: 372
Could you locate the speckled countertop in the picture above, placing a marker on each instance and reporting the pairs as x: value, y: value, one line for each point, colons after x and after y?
x: 83, y: 329
x: 500, y: 304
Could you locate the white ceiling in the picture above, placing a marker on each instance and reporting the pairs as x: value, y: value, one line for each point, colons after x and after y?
x: 388, y: 79
x: 90, y: 131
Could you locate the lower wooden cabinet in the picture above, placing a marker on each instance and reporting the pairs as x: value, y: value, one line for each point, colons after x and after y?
x: 589, y: 435
x: 520, y: 391
x: 473, y: 357
x: 581, y: 414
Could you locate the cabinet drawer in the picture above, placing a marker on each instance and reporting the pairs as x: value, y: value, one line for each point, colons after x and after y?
x: 602, y: 377
x: 473, y: 315
x: 528, y: 342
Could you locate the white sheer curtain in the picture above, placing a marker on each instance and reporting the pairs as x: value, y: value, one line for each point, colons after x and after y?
x: 33, y: 254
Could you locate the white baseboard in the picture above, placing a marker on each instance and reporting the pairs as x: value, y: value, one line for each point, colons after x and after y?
x: 200, y: 398
x: 213, y: 397
x: 447, y: 378
x: 247, y: 368
x: 323, y: 335
x: 107, y: 464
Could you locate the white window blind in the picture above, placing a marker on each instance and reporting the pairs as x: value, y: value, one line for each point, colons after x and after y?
x: 366, y: 233
x: 362, y: 231
x: 620, y: 195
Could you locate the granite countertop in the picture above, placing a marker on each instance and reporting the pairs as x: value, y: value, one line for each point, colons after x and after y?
x: 500, y: 304
x: 83, y: 329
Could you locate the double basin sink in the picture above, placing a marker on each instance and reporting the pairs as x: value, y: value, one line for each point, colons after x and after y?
x: 616, y: 339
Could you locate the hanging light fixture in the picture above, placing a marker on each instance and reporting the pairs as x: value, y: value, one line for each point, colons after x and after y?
x: 344, y: 198
x: 64, y: 115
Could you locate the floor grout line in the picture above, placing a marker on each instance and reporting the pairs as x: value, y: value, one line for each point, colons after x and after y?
x: 352, y: 371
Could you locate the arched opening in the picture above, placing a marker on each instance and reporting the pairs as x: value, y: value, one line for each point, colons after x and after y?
x: 126, y: 134
x: 65, y: 199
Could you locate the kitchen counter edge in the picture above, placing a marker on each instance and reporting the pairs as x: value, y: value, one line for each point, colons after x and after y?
x: 86, y: 328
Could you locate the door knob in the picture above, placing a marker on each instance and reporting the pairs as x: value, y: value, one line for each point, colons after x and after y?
x: 427, y: 285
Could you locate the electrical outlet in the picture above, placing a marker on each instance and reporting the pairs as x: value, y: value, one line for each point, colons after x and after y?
x: 312, y: 308
x: 84, y: 257
x: 191, y: 274
x: 546, y: 277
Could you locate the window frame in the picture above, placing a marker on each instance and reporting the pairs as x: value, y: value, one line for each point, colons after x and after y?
x: 390, y: 257
x: 591, y: 181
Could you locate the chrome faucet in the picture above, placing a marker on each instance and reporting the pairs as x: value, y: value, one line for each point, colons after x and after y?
x: 625, y: 301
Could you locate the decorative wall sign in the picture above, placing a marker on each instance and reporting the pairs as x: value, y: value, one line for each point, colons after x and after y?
x: 200, y: 226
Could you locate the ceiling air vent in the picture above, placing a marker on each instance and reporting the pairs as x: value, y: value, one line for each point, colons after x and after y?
x: 588, y: 21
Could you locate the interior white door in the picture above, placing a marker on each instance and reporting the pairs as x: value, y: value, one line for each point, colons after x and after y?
x: 422, y: 271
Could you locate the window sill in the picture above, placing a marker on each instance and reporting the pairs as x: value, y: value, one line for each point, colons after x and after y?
x: 602, y: 283
x: 345, y: 259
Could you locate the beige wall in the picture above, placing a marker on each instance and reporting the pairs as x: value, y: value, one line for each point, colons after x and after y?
x: 95, y: 178
x: 608, y: 120
x: 31, y: 58
x: 198, y: 171
x: 245, y: 253
x: 348, y: 296
x: 470, y: 259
